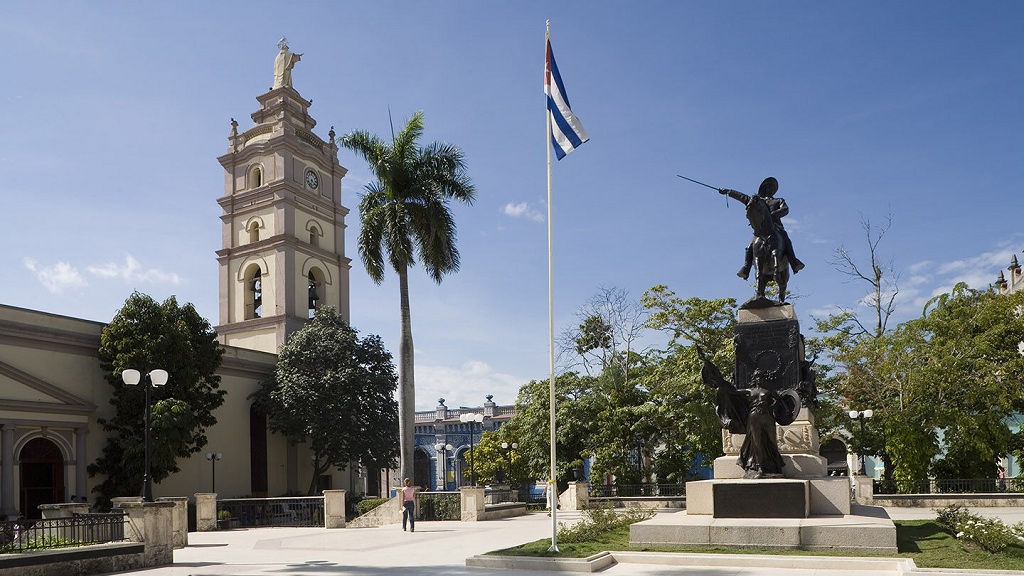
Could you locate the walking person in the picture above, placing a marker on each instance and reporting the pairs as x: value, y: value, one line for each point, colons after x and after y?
x: 408, y: 505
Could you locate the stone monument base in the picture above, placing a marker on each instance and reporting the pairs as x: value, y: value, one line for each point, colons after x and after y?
x: 796, y: 466
x: 867, y: 530
x: 769, y: 498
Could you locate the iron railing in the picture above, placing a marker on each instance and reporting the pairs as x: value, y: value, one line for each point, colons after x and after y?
x: 78, y: 530
x: 951, y: 486
x: 250, y: 512
x: 435, y: 506
x: 635, y: 490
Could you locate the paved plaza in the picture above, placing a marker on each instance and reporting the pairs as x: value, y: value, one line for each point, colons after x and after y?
x: 441, y: 548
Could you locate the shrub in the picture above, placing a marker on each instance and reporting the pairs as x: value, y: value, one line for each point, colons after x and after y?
x: 989, y: 534
x: 1018, y: 531
x: 367, y: 504
x: 599, y: 520
x: 952, y: 516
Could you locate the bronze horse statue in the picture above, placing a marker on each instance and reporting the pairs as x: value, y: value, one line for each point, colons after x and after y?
x: 769, y: 251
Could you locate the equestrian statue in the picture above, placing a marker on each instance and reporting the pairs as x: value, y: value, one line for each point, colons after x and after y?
x: 770, y: 250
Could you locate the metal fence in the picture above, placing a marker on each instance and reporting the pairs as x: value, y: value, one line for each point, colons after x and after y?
x: 250, y: 512
x: 78, y: 530
x: 951, y: 486
x: 634, y: 490
x: 434, y: 506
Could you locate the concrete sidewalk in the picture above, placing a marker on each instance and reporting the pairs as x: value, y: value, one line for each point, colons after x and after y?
x: 1008, y: 514
x: 441, y: 548
x: 436, y: 548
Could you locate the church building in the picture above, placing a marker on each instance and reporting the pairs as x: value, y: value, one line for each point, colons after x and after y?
x: 282, y: 255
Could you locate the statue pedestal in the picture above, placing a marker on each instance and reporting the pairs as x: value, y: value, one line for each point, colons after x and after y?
x: 806, y: 509
x: 768, y: 498
x: 798, y: 443
x: 866, y: 530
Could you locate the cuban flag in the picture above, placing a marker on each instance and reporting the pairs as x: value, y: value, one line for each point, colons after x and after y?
x: 567, y: 132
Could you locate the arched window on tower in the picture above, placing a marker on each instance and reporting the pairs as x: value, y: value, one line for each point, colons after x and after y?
x: 314, y: 236
x: 254, y: 232
x: 315, y: 281
x: 255, y: 177
x: 253, y: 293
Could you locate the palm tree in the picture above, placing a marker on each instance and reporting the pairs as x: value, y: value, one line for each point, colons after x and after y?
x: 405, y: 216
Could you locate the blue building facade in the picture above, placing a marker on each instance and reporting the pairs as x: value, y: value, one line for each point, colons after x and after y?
x: 444, y: 439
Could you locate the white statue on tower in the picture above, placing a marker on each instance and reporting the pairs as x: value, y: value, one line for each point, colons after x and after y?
x: 283, y: 65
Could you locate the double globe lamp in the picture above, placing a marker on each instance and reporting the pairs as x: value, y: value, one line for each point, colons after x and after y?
x: 157, y: 377
x: 861, y: 415
x: 472, y: 418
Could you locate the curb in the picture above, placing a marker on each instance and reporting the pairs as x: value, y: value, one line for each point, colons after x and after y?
x: 602, y: 560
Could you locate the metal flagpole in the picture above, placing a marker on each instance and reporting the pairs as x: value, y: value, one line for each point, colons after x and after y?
x: 552, y: 491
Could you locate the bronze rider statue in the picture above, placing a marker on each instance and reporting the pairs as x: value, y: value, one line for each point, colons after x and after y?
x: 779, y: 210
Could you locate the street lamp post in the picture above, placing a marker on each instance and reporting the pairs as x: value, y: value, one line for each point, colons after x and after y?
x: 508, y: 448
x: 158, y: 377
x: 470, y: 419
x: 443, y: 449
x: 213, y: 457
x: 861, y: 415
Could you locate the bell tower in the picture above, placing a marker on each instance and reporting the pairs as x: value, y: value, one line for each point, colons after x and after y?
x: 283, y: 224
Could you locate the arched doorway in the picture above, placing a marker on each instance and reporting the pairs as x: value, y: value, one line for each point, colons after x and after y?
x: 42, y: 476
x: 462, y: 468
x: 834, y: 452
x: 421, y: 469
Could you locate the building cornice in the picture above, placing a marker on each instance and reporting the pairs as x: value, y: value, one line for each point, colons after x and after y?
x: 67, y: 403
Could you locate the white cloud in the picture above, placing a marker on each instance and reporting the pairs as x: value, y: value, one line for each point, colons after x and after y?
x: 131, y: 271
x: 523, y: 210
x: 982, y: 262
x: 921, y: 267
x: 824, y: 311
x: 929, y: 279
x: 56, y: 278
x: 465, y: 385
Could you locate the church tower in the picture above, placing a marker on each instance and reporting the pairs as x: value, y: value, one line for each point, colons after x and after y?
x: 283, y: 224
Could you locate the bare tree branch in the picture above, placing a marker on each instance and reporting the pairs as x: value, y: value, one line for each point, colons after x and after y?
x: 883, y: 278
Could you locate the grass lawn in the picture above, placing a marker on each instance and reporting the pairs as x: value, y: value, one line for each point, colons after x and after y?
x: 924, y: 541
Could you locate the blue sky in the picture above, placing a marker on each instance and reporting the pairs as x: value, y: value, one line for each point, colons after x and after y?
x: 114, y: 114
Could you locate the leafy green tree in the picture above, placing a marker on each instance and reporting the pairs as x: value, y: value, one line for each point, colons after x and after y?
x: 495, y: 464
x: 969, y: 356
x: 486, y: 460
x: 146, y: 336
x: 606, y: 338
x: 950, y: 378
x: 860, y: 354
x: 576, y: 421
x: 604, y: 344
x: 683, y: 408
x: 884, y: 373
x: 406, y: 216
x: 334, y: 392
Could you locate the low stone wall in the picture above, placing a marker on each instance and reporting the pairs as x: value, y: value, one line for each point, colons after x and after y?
x: 505, y: 510
x: 943, y: 500
x: 96, y: 559
x: 383, y: 515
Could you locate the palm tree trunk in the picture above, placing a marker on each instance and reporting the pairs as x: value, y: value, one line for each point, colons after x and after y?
x: 406, y: 381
